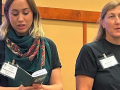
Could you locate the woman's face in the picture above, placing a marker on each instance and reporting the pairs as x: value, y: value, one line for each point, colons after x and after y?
x: 20, y: 16
x: 111, y: 23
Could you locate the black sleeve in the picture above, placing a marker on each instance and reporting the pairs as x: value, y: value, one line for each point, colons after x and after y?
x: 85, y: 63
x: 54, y: 54
x: 3, y: 79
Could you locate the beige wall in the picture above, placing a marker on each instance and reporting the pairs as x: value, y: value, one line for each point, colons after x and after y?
x: 90, y: 5
x: 68, y: 35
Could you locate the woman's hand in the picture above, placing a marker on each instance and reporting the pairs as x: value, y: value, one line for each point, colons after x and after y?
x: 46, y: 87
x: 38, y: 86
x: 55, y: 81
x: 27, y: 88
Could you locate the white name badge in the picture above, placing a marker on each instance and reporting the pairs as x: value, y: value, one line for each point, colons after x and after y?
x: 108, y: 62
x: 8, y: 70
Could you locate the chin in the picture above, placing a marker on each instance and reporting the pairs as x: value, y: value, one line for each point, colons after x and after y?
x: 117, y: 36
x: 22, y: 33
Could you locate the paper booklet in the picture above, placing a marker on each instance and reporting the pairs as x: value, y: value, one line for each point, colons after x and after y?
x: 17, y: 73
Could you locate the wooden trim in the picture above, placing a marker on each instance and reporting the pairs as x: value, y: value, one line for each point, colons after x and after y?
x: 84, y: 33
x: 2, y: 9
x: 67, y: 14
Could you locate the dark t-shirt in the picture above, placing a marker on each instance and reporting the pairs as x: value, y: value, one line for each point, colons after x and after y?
x: 88, y: 63
x: 54, y: 57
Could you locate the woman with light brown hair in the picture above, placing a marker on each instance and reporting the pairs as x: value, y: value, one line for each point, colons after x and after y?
x: 97, y: 65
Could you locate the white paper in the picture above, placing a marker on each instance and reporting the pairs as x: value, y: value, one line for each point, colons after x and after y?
x: 108, y: 62
x: 8, y: 70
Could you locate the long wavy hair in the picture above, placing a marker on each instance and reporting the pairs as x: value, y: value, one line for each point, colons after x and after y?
x: 101, y: 31
x: 36, y: 27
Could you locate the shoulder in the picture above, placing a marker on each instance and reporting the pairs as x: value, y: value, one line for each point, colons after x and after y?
x: 2, y: 42
x: 92, y: 47
x: 2, y: 45
x: 51, y: 43
x: 93, y: 44
x: 49, y: 40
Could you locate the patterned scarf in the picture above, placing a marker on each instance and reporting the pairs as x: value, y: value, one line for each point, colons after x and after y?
x: 31, y: 53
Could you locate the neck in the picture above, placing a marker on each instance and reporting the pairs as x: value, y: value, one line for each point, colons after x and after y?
x: 115, y: 40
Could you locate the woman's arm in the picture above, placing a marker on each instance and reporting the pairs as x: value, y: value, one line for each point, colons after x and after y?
x: 84, y: 82
x: 18, y: 88
x: 55, y: 81
x: 8, y: 88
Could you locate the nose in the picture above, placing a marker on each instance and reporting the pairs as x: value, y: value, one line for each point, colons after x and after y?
x: 118, y: 20
x: 20, y: 18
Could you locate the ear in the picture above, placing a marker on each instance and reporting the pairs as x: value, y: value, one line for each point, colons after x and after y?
x: 101, y: 23
x: 7, y: 15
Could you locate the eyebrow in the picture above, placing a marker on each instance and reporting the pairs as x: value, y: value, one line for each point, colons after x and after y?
x: 26, y: 8
x: 14, y: 10
x: 111, y: 14
x: 17, y: 10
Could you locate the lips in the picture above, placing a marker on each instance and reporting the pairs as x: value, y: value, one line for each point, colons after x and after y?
x: 117, y: 28
x: 21, y: 26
